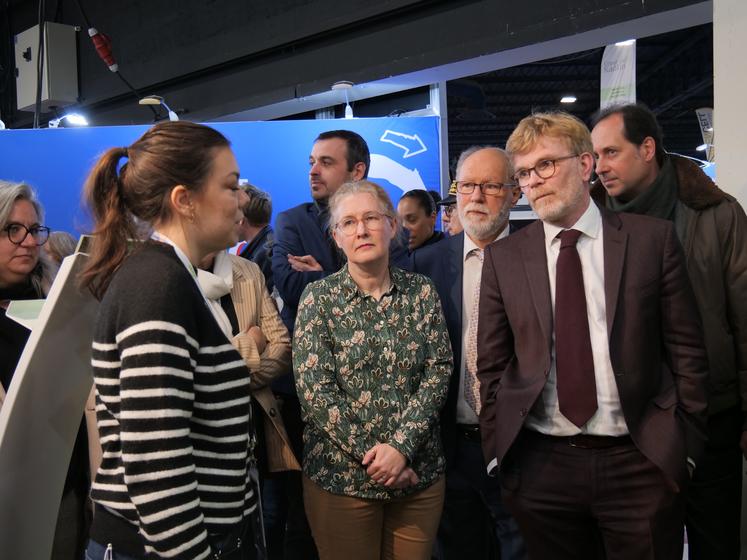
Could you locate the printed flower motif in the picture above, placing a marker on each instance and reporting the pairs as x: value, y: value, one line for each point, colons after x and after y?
x: 358, y: 337
x: 364, y: 398
x: 311, y: 361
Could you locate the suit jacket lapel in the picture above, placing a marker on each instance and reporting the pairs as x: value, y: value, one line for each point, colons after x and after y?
x: 534, y: 258
x: 615, y: 243
x: 456, y: 271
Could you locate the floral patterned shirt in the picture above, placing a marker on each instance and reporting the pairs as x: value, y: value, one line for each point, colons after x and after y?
x: 371, y: 372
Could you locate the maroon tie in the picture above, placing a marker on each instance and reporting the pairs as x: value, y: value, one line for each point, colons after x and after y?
x: 577, y: 392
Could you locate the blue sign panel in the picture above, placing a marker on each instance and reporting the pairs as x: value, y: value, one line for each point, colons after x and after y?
x: 271, y: 155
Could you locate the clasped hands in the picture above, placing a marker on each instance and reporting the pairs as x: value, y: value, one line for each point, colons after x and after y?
x: 388, y: 467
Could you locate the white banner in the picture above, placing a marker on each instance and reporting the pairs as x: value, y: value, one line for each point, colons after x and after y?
x: 705, y: 120
x: 617, y: 81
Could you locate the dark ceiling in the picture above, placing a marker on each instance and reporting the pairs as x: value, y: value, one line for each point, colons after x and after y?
x: 674, y: 77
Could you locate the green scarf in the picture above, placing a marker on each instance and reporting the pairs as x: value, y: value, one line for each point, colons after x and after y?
x: 658, y: 200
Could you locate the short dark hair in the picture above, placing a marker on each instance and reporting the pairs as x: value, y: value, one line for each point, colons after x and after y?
x: 424, y: 200
x: 639, y: 122
x: 357, y: 147
x: 435, y: 195
x: 258, y: 210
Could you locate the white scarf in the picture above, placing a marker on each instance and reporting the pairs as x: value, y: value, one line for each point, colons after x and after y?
x: 215, y: 285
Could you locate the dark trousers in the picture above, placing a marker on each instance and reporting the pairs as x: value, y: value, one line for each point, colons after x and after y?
x: 475, y: 524
x: 579, y: 503
x: 286, y: 527
x: 714, y: 500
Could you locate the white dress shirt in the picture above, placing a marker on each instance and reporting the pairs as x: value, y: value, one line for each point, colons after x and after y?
x: 471, y: 276
x: 608, y: 420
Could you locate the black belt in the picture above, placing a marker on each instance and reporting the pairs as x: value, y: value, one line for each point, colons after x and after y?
x: 470, y: 432
x: 580, y: 441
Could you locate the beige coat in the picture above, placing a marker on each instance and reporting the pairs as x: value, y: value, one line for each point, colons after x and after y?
x: 254, y: 306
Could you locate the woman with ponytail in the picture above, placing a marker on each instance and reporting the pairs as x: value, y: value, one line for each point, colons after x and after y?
x: 172, y: 393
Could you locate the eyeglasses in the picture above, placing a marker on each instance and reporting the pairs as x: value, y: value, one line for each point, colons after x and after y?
x: 488, y: 189
x: 449, y: 209
x: 544, y: 170
x: 17, y: 233
x: 373, y: 221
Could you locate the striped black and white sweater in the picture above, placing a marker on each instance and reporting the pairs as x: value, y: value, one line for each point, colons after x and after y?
x: 172, y: 405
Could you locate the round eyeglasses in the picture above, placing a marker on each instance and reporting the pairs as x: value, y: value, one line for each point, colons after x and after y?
x: 17, y: 233
x: 544, y: 169
x: 373, y: 221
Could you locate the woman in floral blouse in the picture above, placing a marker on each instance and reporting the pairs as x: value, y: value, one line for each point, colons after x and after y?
x: 372, y: 360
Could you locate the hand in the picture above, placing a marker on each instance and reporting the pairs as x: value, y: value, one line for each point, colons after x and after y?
x: 743, y: 443
x: 305, y: 263
x: 406, y: 478
x: 259, y: 338
x: 384, y: 463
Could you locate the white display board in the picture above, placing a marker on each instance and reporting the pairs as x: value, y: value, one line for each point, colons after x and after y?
x: 40, y: 417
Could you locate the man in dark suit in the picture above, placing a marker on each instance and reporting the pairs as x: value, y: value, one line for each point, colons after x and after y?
x: 256, y: 232
x: 591, y: 363
x: 475, y: 524
x: 304, y: 250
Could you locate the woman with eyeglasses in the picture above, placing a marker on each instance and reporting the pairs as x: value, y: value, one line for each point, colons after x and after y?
x: 172, y: 392
x: 372, y: 361
x: 26, y: 273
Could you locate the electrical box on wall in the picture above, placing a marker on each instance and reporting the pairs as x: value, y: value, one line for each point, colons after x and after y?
x: 59, y: 86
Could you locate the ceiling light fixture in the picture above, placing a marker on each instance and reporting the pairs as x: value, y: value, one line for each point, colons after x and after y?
x: 158, y: 100
x: 568, y: 99
x: 345, y: 85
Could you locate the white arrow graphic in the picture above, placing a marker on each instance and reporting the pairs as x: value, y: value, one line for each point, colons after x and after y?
x: 397, y: 174
x: 400, y: 139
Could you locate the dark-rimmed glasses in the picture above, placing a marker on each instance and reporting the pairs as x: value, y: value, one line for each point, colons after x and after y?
x: 544, y: 169
x: 373, y: 221
x: 17, y: 233
x: 488, y: 189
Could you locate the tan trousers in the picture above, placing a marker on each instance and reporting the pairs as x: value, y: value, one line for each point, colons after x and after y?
x: 347, y: 528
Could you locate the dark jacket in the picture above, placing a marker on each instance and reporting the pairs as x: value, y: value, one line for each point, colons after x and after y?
x: 259, y: 251
x: 713, y: 231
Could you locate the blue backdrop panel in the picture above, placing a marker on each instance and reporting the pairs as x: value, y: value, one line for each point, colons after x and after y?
x: 272, y: 155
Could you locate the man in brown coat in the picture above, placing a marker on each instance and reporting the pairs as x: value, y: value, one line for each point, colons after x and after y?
x: 591, y: 363
x: 638, y: 176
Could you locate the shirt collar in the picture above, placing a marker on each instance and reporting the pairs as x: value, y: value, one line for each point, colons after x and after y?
x: 589, y: 224
x: 349, y: 289
x: 470, y: 245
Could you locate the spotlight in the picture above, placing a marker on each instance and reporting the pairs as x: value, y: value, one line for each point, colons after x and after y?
x: 72, y: 118
x: 158, y: 100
